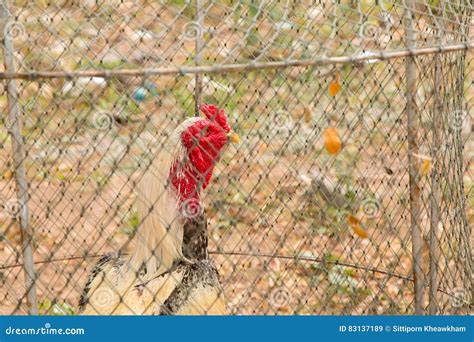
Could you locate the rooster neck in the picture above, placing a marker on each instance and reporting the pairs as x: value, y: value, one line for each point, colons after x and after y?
x: 195, y: 238
x: 159, y: 239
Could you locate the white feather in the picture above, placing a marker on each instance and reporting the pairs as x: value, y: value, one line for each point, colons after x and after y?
x: 158, y: 242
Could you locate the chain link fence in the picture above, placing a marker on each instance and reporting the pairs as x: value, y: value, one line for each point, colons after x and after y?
x: 350, y: 192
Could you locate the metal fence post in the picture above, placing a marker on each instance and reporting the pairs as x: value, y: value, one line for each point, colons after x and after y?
x: 412, y: 131
x: 18, y: 159
x: 437, y: 126
x: 198, y: 57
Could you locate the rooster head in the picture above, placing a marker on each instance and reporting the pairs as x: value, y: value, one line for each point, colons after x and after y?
x: 202, y: 140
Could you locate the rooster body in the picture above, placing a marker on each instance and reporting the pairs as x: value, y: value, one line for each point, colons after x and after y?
x: 169, y: 271
x: 184, y: 289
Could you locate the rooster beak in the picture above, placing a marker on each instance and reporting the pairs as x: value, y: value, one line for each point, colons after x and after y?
x: 233, y: 137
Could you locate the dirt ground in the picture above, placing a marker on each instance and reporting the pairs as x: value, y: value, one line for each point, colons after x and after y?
x: 281, y: 244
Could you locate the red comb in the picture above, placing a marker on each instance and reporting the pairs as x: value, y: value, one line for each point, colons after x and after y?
x: 215, y: 114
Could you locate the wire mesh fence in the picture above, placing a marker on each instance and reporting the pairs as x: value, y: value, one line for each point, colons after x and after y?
x: 350, y: 191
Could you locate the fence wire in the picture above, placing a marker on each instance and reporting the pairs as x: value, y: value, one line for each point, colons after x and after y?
x: 351, y: 190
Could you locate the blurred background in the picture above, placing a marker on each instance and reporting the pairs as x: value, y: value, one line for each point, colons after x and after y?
x: 355, y: 120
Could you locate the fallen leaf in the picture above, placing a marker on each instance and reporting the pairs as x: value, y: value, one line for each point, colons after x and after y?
x: 352, y: 220
x: 425, y: 167
x: 335, y: 86
x: 7, y: 174
x: 360, y: 232
x: 285, y: 309
x: 355, y: 224
x: 332, y: 142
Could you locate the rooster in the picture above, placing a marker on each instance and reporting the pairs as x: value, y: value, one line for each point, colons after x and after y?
x: 168, y: 271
